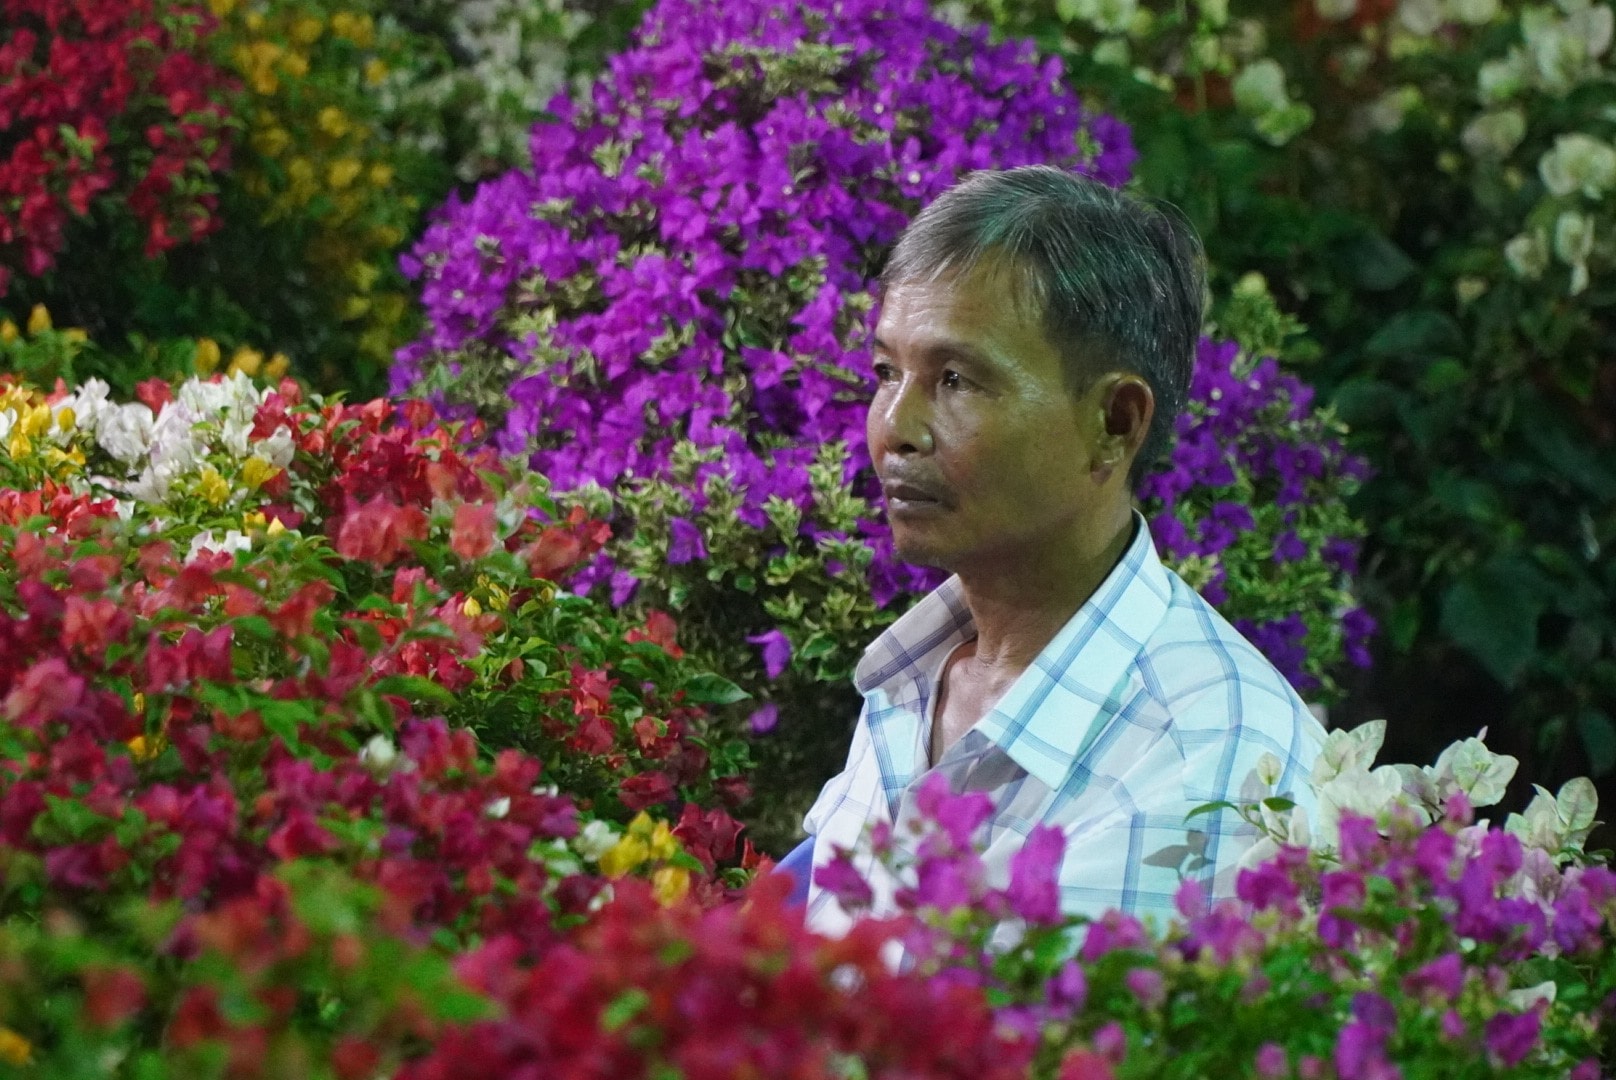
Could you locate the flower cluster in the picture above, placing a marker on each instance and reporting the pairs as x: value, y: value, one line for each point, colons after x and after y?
x: 474, y: 101
x: 1249, y: 509
x: 1406, y: 947
x: 321, y: 161
x: 224, y: 466
x: 213, y: 749
x: 733, y: 992
x: 112, y: 105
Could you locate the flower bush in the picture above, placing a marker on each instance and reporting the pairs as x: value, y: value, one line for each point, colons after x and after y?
x: 473, y: 100
x: 1424, y: 184
x: 324, y: 170
x: 112, y: 108
x: 684, y: 347
x: 1408, y: 941
x: 1250, y: 510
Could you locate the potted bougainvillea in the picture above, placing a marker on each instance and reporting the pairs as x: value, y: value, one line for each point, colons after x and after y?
x: 671, y: 313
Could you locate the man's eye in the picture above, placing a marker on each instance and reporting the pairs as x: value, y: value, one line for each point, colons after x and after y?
x: 883, y: 373
x: 953, y: 380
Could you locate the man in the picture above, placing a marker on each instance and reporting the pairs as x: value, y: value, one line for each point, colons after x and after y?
x: 1035, y: 343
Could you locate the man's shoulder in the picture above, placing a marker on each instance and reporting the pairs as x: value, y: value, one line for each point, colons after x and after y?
x: 1199, y: 667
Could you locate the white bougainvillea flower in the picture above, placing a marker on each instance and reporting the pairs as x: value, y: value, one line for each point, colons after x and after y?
x: 125, y: 432
x: 233, y: 541
x: 1498, y: 81
x: 1107, y: 16
x: 595, y: 839
x: 379, y: 754
x: 1562, y: 50
x: 1470, y: 767
x: 1347, y: 750
x: 1578, y: 162
x: 1364, y: 792
x: 1420, y: 792
x: 1260, y: 88
x: 1493, y: 136
x: 1421, y: 17
x: 1472, y: 12
x: 1573, y: 243
x: 1528, y: 254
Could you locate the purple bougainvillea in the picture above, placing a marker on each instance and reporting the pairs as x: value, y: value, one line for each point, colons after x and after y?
x: 680, y: 289
x: 692, y: 253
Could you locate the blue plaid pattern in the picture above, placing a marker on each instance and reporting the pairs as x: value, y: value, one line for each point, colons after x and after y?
x: 1145, y: 705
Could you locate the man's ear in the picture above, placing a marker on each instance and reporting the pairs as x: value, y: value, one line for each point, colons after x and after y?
x: 1126, y: 406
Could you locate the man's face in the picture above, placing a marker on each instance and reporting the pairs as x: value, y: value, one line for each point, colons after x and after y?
x: 985, y: 456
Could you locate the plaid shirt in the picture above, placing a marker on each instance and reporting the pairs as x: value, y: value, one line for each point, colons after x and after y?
x: 1145, y: 705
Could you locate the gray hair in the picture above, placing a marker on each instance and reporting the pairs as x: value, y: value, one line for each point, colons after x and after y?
x: 1118, y: 282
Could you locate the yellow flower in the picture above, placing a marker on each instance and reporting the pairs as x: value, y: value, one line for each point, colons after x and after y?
x: 254, y: 519
x: 669, y: 884
x: 66, y: 418
x: 14, y: 1049
x: 623, y: 856
x: 36, y: 421
x: 221, y: 8
x: 663, y: 843
x: 359, y: 29
x: 39, y: 319
x: 275, y: 528
x: 213, y: 487
x: 300, y: 170
x: 60, y: 459
x: 76, y: 334
x: 140, y: 702
x: 375, y: 71
x: 257, y: 471
x: 20, y: 445
x: 8, y: 332
x: 381, y: 174
x: 272, y: 141
x: 471, y: 608
x: 247, y: 361
x: 295, y: 64
x: 307, y: 30
x: 364, y: 275
x: 344, y: 172
x: 142, y: 749
x: 277, y: 366
x: 354, y: 307
x: 207, y: 356
x: 334, y: 122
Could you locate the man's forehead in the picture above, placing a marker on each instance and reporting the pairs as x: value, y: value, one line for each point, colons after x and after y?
x: 957, y: 307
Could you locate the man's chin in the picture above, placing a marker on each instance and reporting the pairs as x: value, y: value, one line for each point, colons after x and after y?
x: 917, y: 553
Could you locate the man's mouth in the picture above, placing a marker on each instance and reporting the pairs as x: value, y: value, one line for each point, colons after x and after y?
x: 904, y: 496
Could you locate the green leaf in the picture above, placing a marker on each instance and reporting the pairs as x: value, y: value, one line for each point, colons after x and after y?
x: 710, y: 689
x: 1599, y: 739
x: 628, y: 1005
x: 1492, y: 613
x: 1207, y: 808
x: 1423, y: 332
x: 416, y: 687
x: 817, y: 646
x: 256, y: 627
x: 1376, y: 262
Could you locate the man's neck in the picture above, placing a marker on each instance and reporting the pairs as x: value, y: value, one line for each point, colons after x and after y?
x: 1018, y: 610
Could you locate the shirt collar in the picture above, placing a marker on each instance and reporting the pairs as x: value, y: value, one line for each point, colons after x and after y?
x: 1046, y: 718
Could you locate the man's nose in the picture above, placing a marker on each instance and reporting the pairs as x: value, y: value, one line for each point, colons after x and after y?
x: 906, y: 420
